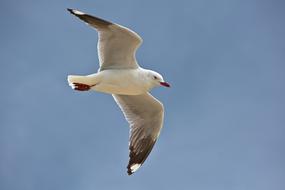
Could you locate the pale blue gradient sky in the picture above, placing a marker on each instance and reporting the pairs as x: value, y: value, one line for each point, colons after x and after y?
x: 225, y: 113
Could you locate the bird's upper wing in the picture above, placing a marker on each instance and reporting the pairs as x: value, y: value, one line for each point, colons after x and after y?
x: 117, y: 45
x: 145, y: 116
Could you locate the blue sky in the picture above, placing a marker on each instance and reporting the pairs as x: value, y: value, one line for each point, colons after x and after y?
x: 224, y: 121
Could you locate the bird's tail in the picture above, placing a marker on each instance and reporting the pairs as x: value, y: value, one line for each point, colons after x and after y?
x: 77, y: 79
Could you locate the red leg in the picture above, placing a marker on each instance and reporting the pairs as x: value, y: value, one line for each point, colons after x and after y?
x: 81, y: 87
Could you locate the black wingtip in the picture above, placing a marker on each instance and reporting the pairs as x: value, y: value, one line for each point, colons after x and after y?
x: 130, y: 172
x: 70, y: 10
x: 75, y: 12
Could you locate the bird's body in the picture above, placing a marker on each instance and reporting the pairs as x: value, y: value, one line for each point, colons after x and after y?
x: 120, y: 75
x: 114, y: 81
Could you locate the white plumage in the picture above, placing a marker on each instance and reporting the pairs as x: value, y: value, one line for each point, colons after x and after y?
x: 121, y: 76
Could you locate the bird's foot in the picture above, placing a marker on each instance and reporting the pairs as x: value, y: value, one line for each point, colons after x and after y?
x: 81, y: 87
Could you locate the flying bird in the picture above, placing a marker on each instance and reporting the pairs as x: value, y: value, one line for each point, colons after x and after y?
x: 129, y: 84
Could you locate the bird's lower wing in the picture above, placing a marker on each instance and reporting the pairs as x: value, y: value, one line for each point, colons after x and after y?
x: 145, y: 116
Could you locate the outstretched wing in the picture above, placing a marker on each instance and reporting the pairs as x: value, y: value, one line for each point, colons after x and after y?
x: 117, y: 45
x: 145, y: 116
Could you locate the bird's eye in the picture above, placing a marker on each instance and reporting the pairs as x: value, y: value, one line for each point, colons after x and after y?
x: 154, y: 77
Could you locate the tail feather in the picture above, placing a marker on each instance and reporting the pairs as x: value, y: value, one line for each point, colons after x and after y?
x: 81, y: 79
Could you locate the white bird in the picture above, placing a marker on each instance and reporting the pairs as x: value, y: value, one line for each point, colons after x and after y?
x: 120, y: 75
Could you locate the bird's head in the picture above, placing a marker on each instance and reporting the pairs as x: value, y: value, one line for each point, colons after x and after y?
x: 156, y: 79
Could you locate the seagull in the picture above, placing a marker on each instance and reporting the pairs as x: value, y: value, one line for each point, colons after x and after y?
x: 129, y: 84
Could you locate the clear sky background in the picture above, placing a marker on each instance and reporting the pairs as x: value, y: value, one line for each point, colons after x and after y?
x: 225, y: 113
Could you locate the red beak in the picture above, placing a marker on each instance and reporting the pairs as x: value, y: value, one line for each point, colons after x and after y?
x: 165, y: 84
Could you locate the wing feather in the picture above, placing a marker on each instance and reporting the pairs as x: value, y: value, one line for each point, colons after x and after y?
x: 145, y: 116
x: 117, y: 45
